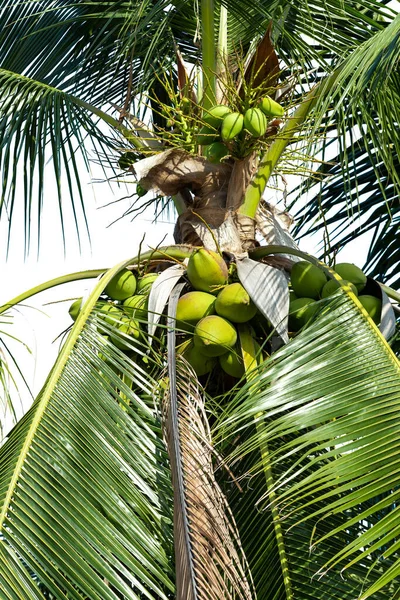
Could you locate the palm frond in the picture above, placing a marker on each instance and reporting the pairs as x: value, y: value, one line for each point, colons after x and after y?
x: 363, y: 201
x: 85, y: 490
x: 208, y: 554
x: 39, y: 122
x: 326, y: 407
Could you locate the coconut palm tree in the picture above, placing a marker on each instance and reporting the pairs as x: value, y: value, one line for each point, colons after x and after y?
x: 152, y: 464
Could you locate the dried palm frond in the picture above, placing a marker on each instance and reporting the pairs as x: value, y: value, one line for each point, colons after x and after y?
x: 210, y: 563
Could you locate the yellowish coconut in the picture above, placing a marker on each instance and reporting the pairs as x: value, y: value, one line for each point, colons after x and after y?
x: 122, y: 285
x: 352, y: 273
x: 192, y: 307
x: 235, y: 304
x: 207, y: 270
x: 214, y: 336
x: 307, y: 280
x: 200, y: 363
x: 232, y: 363
x: 373, y: 306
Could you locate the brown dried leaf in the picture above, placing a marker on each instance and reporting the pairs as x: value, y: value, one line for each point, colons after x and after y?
x: 263, y: 67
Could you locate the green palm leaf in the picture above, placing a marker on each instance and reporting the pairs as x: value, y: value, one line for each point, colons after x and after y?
x: 85, y: 488
x: 326, y: 411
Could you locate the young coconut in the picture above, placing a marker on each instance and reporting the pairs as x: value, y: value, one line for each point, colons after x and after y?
x: 373, y: 306
x: 200, y: 363
x: 235, y: 304
x: 192, y: 307
x: 352, y: 273
x: 333, y: 285
x: 75, y: 308
x: 122, y: 285
x: 136, y: 307
x: 214, y: 336
x: 207, y: 270
x: 145, y: 283
x: 307, y: 280
x: 109, y: 313
x: 301, y: 311
x: 129, y: 327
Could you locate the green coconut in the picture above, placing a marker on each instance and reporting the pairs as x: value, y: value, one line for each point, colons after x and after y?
x: 110, y: 313
x: 271, y: 108
x: 232, y: 364
x: 136, y: 307
x: 255, y: 122
x: 214, y: 336
x: 333, y: 285
x: 232, y: 125
x: 144, y: 284
x: 129, y: 327
x: 215, y: 115
x: 122, y: 285
x: 206, y: 135
x: 215, y: 152
x: 207, y: 270
x: 192, y: 307
x: 200, y: 363
x: 352, y: 273
x: 373, y: 306
x: 235, y: 304
x: 307, y: 280
x: 75, y: 308
x: 301, y: 311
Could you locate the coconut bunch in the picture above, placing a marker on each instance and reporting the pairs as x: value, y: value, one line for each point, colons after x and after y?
x: 123, y: 309
x: 211, y: 308
x: 209, y: 314
x: 309, y: 284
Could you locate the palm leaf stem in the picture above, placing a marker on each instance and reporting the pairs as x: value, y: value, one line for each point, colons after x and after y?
x: 208, y: 52
x: 271, y: 157
x: 177, y: 253
x: 249, y: 361
x: 50, y: 284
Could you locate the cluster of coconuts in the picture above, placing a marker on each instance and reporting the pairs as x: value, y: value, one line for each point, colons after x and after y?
x: 222, y: 125
x: 124, y: 305
x: 309, y: 284
x: 209, y: 315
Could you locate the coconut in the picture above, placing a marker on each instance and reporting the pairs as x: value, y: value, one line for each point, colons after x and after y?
x: 215, y: 152
x: 129, y: 327
x: 192, y: 307
x: 352, y: 273
x: 200, y: 363
x: 373, y: 306
x: 136, y: 307
x: 333, y: 285
x: 301, y: 311
x: 75, y: 308
x: 109, y: 313
x: 214, y: 336
x: 307, y: 280
x: 122, y: 285
x: 207, y: 270
x: 235, y: 304
x: 232, y: 364
x: 215, y: 115
x: 145, y: 283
